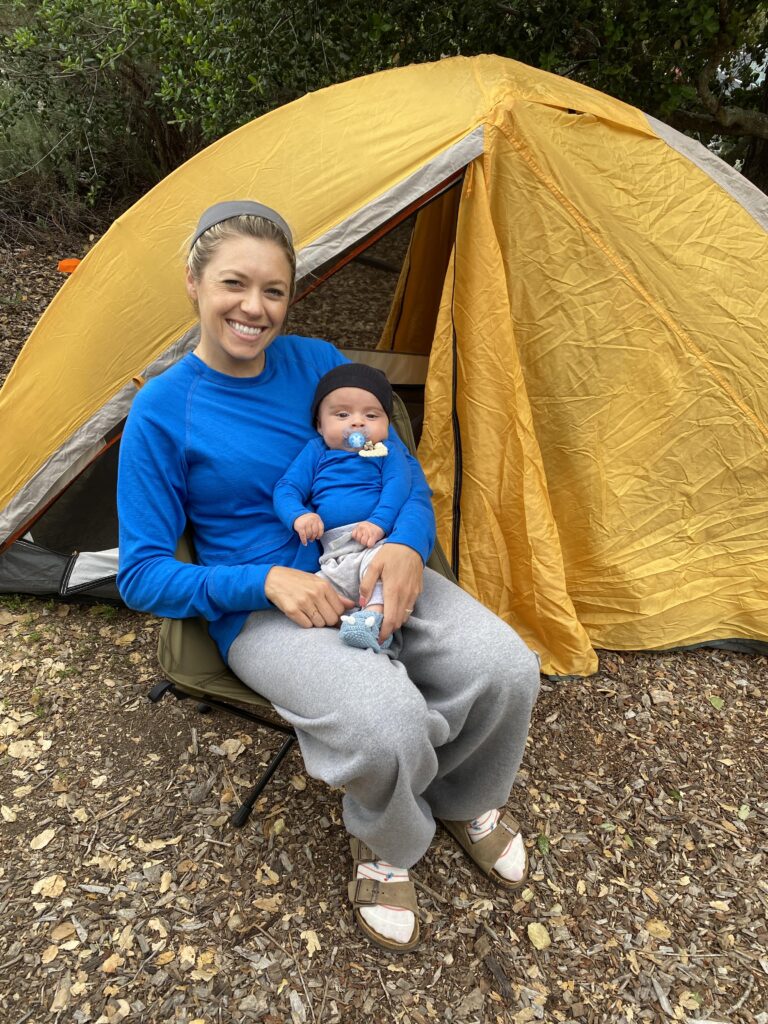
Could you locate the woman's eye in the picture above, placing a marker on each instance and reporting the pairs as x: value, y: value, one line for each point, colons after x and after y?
x: 231, y: 283
x: 275, y: 293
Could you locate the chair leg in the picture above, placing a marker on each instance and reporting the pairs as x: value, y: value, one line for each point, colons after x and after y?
x: 243, y: 812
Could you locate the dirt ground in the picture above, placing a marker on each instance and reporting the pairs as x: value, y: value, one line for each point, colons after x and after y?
x: 126, y: 895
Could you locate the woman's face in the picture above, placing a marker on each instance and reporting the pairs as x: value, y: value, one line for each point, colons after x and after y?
x: 242, y: 297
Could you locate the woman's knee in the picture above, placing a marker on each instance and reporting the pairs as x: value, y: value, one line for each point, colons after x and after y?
x: 392, y: 724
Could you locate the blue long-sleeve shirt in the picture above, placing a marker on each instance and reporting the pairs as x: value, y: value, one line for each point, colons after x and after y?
x: 206, y: 448
x: 343, y: 487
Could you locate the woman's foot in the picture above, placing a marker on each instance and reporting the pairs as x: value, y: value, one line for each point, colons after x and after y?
x: 513, y: 862
x: 392, y: 922
x: 494, y: 843
x: 384, y: 900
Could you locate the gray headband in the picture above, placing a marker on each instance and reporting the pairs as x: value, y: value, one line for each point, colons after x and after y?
x: 237, y: 208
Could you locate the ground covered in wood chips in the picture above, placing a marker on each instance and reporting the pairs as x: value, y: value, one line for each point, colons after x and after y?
x: 126, y: 895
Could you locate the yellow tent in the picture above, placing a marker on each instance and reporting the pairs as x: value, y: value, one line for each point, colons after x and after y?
x: 589, y: 288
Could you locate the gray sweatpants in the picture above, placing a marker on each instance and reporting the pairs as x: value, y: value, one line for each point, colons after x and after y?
x: 434, y: 727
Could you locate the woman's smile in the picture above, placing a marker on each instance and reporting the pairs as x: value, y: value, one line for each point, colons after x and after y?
x: 246, y: 329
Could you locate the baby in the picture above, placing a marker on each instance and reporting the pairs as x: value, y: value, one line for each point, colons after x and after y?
x: 346, y: 488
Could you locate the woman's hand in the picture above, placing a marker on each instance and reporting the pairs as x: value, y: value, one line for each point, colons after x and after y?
x: 306, y: 599
x: 401, y: 572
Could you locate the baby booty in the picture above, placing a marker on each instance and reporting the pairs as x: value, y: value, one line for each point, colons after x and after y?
x: 361, y: 629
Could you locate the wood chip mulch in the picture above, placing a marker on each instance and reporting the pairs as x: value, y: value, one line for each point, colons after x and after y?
x: 126, y: 895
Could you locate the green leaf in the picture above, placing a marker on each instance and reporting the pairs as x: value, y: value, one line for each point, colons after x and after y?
x: 743, y: 812
x: 717, y: 702
x: 543, y: 844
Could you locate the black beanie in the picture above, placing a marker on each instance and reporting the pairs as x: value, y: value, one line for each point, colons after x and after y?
x: 354, y: 375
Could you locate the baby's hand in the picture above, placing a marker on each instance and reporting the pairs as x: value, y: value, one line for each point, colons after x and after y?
x: 367, y: 534
x: 309, y: 527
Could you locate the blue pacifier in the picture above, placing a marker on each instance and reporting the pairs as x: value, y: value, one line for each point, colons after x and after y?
x: 356, y: 439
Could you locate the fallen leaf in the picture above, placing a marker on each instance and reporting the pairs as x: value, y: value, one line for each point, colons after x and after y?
x: 187, y: 957
x: 312, y: 941
x: 165, y: 881
x: 23, y: 749
x: 165, y: 957
x: 51, y: 886
x: 49, y: 954
x: 157, y: 926
x: 126, y: 638
x: 743, y: 812
x: 266, y: 876
x: 80, y: 814
x: 298, y: 782
x: 538, y: 936
x: 125, y: 941
x: 657, y: 928
x: 722, y: 905
x: 112, y: 963
x: 62, y: 931
x: 231, y: 749
x: 542, y: 842
x: 61, y: 996
x: 717, y: 702
x: 42, y: 840
x: 157, y: 844
x: 689, y: 1000
x: 270, y: 904
x: 7, y: 813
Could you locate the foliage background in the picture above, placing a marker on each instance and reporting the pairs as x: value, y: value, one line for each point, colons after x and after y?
x: 100, y: 99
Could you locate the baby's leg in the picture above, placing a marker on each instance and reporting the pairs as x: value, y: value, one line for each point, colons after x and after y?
x: 361, y: 628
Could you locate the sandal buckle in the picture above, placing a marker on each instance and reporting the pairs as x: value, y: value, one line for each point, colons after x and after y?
x: 367, y: 892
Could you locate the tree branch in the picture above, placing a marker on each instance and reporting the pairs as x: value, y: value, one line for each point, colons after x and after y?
x: 736, y: 121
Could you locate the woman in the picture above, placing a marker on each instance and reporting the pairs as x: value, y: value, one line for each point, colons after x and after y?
x: 434, y: 727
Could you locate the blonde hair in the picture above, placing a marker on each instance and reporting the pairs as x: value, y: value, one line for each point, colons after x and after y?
x: 245, y: 225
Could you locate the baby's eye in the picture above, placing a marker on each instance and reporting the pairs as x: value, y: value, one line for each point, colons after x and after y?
x: 342, y: 415
x: 373, y: 415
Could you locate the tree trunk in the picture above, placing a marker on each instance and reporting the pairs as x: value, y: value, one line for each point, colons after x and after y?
x: 756, y: 164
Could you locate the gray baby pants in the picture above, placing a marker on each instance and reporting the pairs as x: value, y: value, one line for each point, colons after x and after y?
x: 344, y: 562
x: 434, y: 727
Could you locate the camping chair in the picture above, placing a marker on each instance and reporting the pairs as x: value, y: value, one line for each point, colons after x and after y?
x: 193, y: 666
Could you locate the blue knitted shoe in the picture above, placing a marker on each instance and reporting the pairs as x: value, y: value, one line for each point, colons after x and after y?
x: 361, y: 629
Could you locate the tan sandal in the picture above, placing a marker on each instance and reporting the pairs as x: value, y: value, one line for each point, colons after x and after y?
x: 368, y: 892
x: 487, y: 851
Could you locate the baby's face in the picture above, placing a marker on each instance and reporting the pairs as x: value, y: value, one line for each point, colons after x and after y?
x: 348, y: 409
